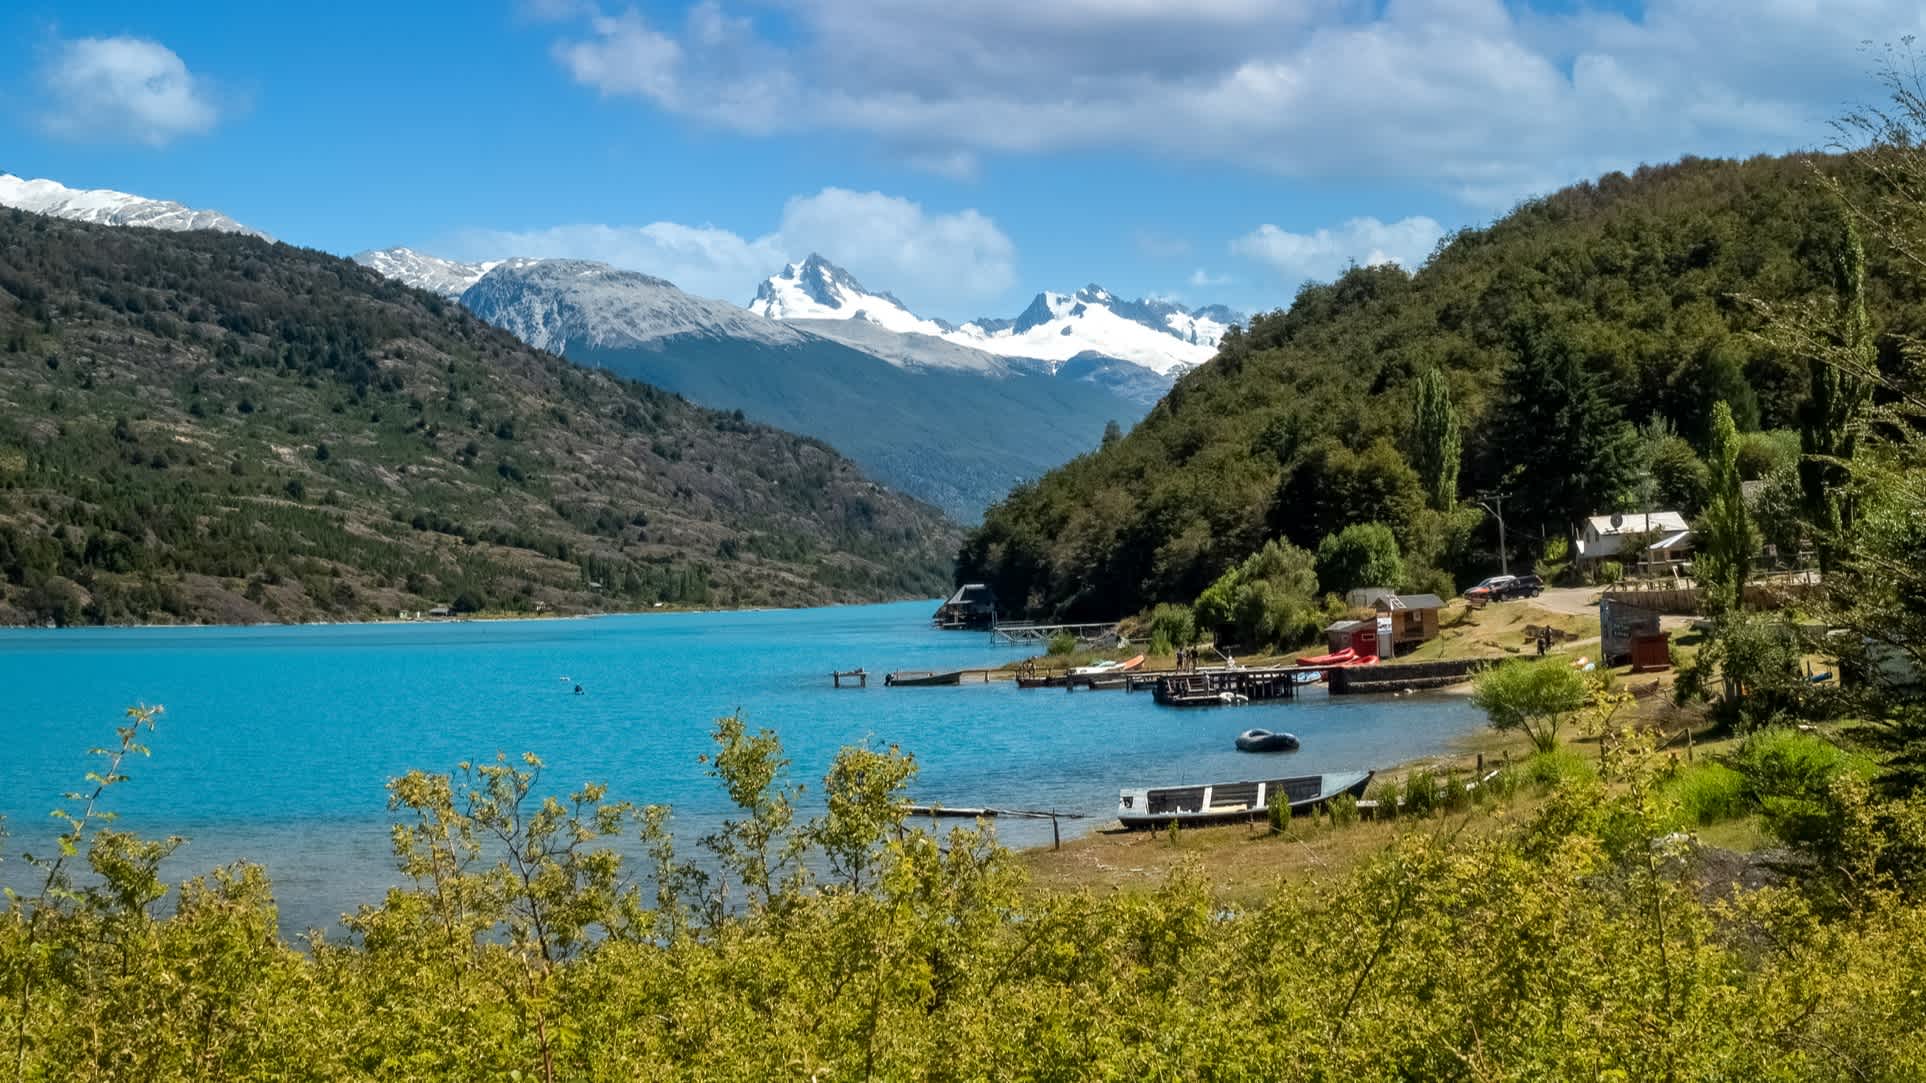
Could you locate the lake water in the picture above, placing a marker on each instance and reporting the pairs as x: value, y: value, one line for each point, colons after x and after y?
x: 277, y: 742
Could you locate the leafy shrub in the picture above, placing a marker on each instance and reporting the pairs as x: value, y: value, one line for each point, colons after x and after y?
x: 1708, y: 793
x: 1063, y: 643
x: 1607, y: 573
x: 1789, y: 775
x: 1452, y: 794
x: 1176, y: 623
x: 1343, y: 810
x: 1420, y: 794
x: 1278, y: 812
x: 1762, y: 453
x: 1553, y: 769
x: 1360, y: 555
x: 1532, y: 696
x: 1501, y: 787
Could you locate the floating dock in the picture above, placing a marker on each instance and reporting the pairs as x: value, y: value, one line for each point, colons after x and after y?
x: 1217, y: 687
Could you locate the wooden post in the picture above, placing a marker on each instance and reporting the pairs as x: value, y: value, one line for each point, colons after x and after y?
x: 1056, y: 839
x: 1481, y: 763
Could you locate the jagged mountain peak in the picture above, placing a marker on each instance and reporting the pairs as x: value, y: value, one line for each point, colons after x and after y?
x: 558, y: 303
x: 105, y: 206
x: 816, y: 289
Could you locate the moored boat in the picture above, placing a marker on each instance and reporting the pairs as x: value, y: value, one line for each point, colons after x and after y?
x: 919, y: 679
x: 1335, y: 658
x: 1256, y: 740
x: 1108, y: 668
x: 1228, y: 802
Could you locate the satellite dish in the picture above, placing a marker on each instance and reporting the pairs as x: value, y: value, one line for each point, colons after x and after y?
x: 1617, y: 520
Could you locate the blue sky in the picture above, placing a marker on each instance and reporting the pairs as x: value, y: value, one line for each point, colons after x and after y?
x: 962, y: 155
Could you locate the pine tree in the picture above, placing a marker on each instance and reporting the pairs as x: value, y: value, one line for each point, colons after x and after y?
x: 1567, y: 449
x: 1727, y: 537
x: 1437, y: 444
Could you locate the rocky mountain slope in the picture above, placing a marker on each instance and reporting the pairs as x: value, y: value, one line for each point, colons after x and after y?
x: 205, y: 426
x: 958, y: 435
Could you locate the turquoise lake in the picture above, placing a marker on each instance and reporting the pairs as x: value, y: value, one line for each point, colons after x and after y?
x: 277, y: 742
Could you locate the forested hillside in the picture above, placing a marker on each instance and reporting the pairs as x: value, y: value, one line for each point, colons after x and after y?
x: 1582, y: 341
x: 206, y: 427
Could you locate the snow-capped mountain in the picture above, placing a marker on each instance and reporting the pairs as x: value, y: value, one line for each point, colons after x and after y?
x: 447, y: 277
x: 952, y: 425
x: 555, y: 303
x: 817, y: 289
x: 1163, y: 337
x: 1166, y: 338
x: 110, y: 208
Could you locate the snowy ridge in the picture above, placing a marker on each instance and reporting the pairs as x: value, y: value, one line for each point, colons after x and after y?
x: 104, y: 206
x: 1158, y: 335
x: 1161, y: 336
x: 554, y: 303
x: 817, y: 289
x: 447, y: 277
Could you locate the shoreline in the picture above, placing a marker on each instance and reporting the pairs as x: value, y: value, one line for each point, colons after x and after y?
x: 482, y: 618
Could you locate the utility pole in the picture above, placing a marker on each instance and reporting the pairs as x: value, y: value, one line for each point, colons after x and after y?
x: 1498, y: 513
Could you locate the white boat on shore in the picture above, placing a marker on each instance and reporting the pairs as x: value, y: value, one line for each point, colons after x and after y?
x: 1229, y: 802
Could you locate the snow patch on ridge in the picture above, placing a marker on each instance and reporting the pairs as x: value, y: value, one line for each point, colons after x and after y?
x: 104, y: 206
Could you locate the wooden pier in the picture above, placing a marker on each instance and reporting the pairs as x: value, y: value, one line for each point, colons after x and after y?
x: 1218, y: 687
x: 1095, y: 634
x: 856, y: 678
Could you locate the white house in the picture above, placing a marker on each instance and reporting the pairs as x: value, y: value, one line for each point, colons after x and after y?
x: 1667, y: 537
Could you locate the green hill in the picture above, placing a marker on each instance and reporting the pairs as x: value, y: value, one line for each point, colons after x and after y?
x: 1632, y: 290
x: 200, y: 427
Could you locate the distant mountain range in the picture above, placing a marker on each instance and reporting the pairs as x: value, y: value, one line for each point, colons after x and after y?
x: 954, y: 414
x: 958, y: 435
x: 1166, y: 338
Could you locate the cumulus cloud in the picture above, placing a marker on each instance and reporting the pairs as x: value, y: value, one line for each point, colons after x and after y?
x: 926, y: 258
x: 123, y: 89
x: 1325, y: 253
x: 1477, y: 97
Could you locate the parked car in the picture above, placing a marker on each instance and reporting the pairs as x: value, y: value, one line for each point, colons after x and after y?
x: 1491, y: 588
x: 1525, y: 586
x: 1503, y: 588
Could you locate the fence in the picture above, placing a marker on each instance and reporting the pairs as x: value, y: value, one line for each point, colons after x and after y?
x: 1680, y: 597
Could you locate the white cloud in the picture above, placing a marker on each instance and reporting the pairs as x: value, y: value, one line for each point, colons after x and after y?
x: 893, y: 240
x: 123, y: 89
x: 956, y: 165
x: 929, y: 258
x: 1476, y: 97
x: 1202, y: 279
x: 1325, y: 253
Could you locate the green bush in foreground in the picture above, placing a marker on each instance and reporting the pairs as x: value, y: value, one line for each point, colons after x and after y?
x: 1708, y: 793
x: 848, y: 945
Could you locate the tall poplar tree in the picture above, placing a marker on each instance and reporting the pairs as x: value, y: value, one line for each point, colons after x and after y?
x: 1437, y: 444
x: 1829, y: 419
x: 1726, y: 538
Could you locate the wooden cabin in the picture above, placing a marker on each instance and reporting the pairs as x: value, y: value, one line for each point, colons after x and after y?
x: 1414, y: 618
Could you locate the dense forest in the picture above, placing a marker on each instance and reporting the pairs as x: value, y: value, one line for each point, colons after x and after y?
x: 204, y: 427
x: 1575, y: 348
